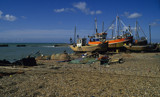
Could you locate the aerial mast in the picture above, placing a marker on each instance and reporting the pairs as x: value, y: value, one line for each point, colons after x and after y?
x: 112, y: 31
x: 103, y: 27
x: 130, y: 29
x: 137, y: 35
x: 75, y: 35
x: 150, y: 33
x: 96, y: 25
x: 117, y: 27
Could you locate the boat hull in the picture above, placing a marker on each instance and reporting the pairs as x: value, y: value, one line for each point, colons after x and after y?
x: 90, y: 48
x: 139, y: 48
x: 117, y: 43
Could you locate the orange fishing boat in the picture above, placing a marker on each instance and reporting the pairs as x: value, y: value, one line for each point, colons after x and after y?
x: 114, y: 42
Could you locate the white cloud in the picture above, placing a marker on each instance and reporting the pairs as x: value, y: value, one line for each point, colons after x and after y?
x: 82, y: 6
x: 133, y: 15
x: 64, y: 10
x: 7, y: 17
x: 59, y: 10
x: 126, y: 14
x: 98, y: 12
x: 154, y: 24
x: 95, y: 12
x: 92, y: 12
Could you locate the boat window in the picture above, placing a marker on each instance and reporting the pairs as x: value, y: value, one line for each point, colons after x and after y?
x: 79, y: 41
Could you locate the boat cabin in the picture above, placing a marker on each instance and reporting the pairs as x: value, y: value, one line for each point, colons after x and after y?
x: 81, y: 42
x: 101, y: 35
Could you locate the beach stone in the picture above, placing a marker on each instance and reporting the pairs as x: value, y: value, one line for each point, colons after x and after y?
x: 57, y: 56
x: 52, y: 56
x: 47, y: 57
x: 64, y: 56
x: 38, y: 58
x: 42, y: 58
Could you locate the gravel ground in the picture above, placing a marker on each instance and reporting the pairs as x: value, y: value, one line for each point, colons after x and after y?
x: 139, y: 75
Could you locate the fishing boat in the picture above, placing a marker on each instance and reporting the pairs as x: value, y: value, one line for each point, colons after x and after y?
x: 115, y: 42
x: 148, y: 47
x: 139, y: 47
x: 82, y: 46
x: 141, y: 43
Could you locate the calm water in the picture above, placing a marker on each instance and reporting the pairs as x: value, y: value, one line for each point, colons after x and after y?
x: 13, y: 53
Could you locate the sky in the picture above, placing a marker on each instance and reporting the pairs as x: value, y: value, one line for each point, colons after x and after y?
x: 50, y: 21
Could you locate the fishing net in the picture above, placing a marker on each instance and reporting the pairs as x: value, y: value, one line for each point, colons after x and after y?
x: 83, y: 61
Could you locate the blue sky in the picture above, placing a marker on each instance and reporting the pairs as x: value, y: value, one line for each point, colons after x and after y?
x: 54, y: 20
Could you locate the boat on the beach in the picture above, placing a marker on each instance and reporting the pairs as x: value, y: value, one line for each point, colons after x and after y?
x: 141, y: 47
x: 140, y: 43
x: 115, y: 42
x: 81, y: 46
x: 137, y: 39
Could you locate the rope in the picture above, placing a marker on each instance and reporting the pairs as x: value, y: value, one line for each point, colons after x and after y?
x: 109, y: 26
x: 142, y: 30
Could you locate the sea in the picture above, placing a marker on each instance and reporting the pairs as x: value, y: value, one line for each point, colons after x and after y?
x: 13, y: 53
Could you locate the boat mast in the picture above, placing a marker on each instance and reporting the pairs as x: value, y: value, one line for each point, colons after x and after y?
x: 137, y: 35
x: 96, y: 25
x: 117, y: 27
x: 75, y: 35
x: 103, y: 27
x: 150, y: 33
x: 112, y: 32
x: 129, y: 29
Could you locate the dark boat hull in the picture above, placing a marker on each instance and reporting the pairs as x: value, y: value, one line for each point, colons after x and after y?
x: 140, y: 47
